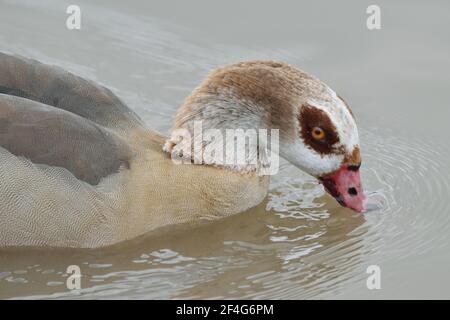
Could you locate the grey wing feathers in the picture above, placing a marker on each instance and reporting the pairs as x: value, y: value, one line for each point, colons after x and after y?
x: 56, y: 87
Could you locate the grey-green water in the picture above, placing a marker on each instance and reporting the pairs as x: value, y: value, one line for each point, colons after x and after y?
x: 298, y: 243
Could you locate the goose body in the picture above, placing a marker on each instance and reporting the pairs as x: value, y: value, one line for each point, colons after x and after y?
x: 78, y: 168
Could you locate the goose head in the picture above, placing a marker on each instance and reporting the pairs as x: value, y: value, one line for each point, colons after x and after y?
x: 317, y: 129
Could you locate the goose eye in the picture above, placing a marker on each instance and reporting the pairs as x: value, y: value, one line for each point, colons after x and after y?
x: 318, y: 133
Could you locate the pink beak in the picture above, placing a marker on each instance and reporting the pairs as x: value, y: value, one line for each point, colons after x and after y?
x: 345, y: 186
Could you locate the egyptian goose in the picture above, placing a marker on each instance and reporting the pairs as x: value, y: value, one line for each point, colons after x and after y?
x: 78, y: 168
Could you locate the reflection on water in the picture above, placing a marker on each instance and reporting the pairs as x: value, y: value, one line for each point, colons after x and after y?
x: 299, y: 243
x: 251, y: 255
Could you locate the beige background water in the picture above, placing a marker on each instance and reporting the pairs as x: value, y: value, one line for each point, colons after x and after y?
x: 299, y: 243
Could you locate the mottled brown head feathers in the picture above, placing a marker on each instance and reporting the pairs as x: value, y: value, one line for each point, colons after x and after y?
x: 275, y: 95
x: 270, y: 89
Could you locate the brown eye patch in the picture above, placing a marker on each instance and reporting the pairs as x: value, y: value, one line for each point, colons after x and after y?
x: 310, y: 118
